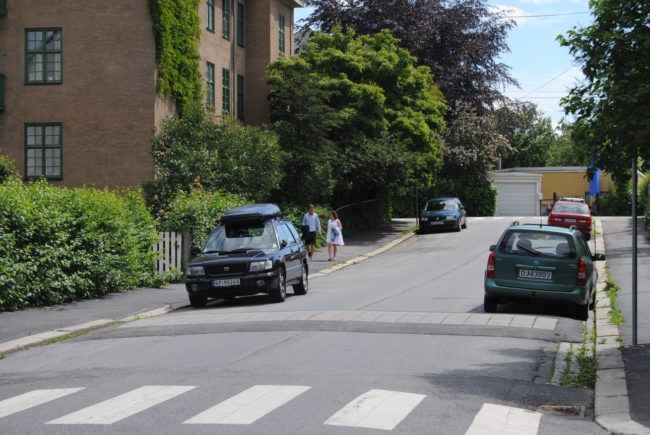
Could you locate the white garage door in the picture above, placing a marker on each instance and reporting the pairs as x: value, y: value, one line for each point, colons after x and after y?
x: 516, y: 199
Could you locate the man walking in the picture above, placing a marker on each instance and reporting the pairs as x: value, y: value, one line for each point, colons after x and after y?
x: 310, y: 227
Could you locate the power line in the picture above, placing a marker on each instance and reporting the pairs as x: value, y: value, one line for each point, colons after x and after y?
x: 554, y: 78
x: 546, y: 15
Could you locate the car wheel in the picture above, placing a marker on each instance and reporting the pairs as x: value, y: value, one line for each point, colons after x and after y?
x: 465, y: 224
x: 198, y: 301
x: 490, y: 304
x: 279, y: 293
x: 458, y: 225
x: 587, y: 237
x: 303, y: 286
x: 582, y: 312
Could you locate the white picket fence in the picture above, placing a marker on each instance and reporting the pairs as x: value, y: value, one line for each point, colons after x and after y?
x: 170, y: 249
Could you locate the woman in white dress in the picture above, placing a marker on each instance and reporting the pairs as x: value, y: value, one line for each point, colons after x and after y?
x: 334, y: 235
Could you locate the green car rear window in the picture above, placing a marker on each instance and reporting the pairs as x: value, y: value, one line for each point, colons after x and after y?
x: 537, y: 244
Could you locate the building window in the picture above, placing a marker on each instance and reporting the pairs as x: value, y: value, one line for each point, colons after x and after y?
x: 226, y: 91
x: 43, y: 156
x: 43, y: 49
x: 281, y: 37
x: 210, y: 81
x: 209, y: 15
x: 241, y: 32
x: 2, y: 92
x: 240, y: 97
x: 225, y: 28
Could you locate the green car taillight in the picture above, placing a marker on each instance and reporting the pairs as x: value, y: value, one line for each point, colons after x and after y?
x: 581, y: 280
x: 489, y: 271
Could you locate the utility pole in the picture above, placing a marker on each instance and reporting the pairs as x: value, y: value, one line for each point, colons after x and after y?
x: 634, y: 252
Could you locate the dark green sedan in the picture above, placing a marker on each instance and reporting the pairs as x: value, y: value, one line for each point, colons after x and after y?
x: 533, y: 262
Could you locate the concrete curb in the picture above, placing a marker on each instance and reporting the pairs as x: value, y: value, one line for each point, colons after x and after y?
x: 363, y: 257
x: 611, y: 400
x: 43, y: 337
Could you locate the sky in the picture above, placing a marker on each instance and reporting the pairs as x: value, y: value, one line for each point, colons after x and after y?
x: 545, y: 71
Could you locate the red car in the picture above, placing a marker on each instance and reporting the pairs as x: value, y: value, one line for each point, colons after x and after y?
x: 571, y: 213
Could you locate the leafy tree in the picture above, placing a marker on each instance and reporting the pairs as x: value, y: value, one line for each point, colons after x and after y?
x: 564, y: 151
x: 530, y: 134
x: 611, y: 106
x: 472, y: 146
x: 226, y: 156
x: 7, y: 168
x: 459, y: 40
x: 357, y: 105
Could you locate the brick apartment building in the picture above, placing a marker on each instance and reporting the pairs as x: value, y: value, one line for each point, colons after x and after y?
x: 78, y: 100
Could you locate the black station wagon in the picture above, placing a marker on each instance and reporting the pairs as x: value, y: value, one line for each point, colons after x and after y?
x: 254, y: 250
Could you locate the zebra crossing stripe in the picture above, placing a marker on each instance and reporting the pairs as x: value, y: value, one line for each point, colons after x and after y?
x: 376, y: 409
x: 249, y: 406
x: 123, y: 406
x: 504, y: 420
x: 31, y: 399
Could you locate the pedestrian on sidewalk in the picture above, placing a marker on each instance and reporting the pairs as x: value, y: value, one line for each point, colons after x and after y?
x: 334, y: 235
x: 310, y: 228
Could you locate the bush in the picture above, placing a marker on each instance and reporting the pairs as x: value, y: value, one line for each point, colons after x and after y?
x: 228, y: 157
x: 58, y: 245
x: 198, y: 211
x: 479, y: 196
x: 616, y: 202
x: 7, y: 168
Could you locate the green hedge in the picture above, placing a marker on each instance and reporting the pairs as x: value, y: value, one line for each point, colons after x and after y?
x: 198, y: 211
x: 58, y: 245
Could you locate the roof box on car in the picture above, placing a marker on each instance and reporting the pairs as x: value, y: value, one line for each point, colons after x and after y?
x: 251, y: 212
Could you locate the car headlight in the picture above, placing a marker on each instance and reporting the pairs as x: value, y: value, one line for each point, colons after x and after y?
x: 197, y: 270
x: 257, y: 266
x: 450, y: 218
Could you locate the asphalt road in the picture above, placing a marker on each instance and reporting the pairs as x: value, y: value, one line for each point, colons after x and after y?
x: 397, y: 343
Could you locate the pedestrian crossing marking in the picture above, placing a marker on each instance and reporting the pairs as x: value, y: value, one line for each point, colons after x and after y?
x: 504, y: 420
x: 123, y: 406
x: 249, y: 406
x: 31, y: 399
x: 377, y: 409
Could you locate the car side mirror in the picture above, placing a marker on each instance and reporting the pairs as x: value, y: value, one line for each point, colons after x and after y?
x: 492, y: 248
x: 598, y: 257
x: 195, y: 251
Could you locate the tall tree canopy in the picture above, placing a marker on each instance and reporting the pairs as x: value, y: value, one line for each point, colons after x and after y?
x: 612, y: 106
x: 530, y: 134
x: 356, y: 116
x: 459, y: 40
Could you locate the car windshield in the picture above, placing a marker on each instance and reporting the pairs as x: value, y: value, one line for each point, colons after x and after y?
x: 571, y: 208
x: 242, y: 236
x: 537, y: 244
x: 441, y: 204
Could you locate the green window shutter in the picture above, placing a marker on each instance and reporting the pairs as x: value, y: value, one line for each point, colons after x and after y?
x: 240, y: 97
x: 209, y: 15
x: 209, y: 100
x: 241, y: 31
x: 2, y: 92
x: 3, y: 7
x: 225, y: 29
x: 226, y: 91
x: 281, y: 36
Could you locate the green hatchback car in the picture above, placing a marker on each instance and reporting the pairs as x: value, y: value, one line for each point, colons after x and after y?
x: 533, y: 262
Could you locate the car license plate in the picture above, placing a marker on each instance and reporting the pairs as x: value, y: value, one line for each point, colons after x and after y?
x: 225, y: 282
x: 569, y: 220
x: 436, y: 222
x: 536, y: 274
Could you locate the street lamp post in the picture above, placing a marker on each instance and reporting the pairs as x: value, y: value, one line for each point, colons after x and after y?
x: 634, y: 253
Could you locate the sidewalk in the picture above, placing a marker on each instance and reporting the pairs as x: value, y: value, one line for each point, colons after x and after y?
x: 635, y: 365
x: 28, y: 327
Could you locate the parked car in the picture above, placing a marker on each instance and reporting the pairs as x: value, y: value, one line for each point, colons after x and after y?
x: 548, y: 263
x: 442, y: 213
x: 254, y: 250
x: 571, y: 214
